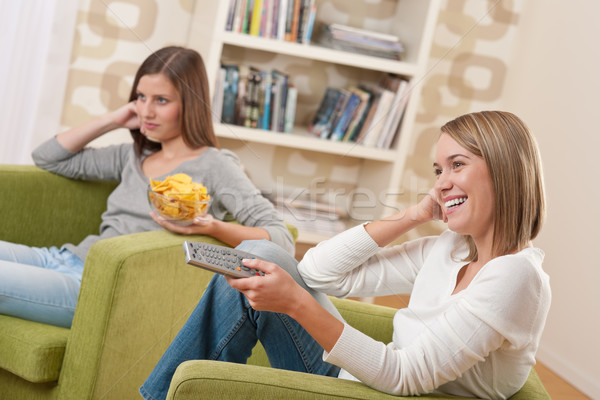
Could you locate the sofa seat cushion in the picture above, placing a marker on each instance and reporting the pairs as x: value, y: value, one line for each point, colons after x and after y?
x: 31, y: 350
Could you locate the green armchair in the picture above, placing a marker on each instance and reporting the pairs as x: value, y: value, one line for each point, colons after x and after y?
x: 201, y: 379
x: 136, y: 293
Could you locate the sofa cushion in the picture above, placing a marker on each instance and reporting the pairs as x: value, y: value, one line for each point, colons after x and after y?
x: 31, y: 350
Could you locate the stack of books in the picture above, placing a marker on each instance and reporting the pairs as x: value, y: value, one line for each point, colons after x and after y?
x: 311, y: 216
x: 366, y: 114
x: 253, y: 98
x: 288, y: 20
x: 360, y: 41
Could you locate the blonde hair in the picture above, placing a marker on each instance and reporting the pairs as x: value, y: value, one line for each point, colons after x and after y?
x: 513, y: 161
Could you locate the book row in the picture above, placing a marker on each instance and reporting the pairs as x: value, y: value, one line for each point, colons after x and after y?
x: 288, y: 20
x: 253, y: 98
x: 368, y: 114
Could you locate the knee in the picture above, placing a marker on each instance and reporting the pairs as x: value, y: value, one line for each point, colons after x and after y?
x: 267, y: 250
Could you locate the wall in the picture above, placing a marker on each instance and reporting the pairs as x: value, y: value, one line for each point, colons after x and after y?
x: 553, y: 83
x: 112, y: 38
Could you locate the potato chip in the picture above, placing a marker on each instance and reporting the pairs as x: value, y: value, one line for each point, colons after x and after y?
x: 178, y: 198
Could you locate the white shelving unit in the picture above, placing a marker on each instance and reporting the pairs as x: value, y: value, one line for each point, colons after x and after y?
x: 379, y: 170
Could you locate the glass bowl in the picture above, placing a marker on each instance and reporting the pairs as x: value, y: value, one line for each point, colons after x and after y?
x: 175, y: 210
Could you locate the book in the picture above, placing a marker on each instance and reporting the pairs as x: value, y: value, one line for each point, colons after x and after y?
x: 247, y: 16
x: 324, y: 111
x: 375, y: 127
x: 265, y: 115
x: 230, y: 92
x: 336, y: 114
x: 257, y: 13
x: 281, y: 101
x: 217, y: 105
x: 362, y: 109
x: 310, y: 215
x: 240, y: 8
x: 281, y: 19
x: 295, y: 20
x: 253, y: 96
x: 290, y: 109
x: 267, y: 19
x: 359, y: 41
x: 275, y: 99
x: 231, y: 14
x: 310, y: 22
x: 289, y: 18
x: 347, y: 114
x: 375, y: 92
x: 395, y: 114
x: 357, y: 32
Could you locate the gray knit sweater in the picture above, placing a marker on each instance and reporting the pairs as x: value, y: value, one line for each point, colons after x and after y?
x: 233, y: 194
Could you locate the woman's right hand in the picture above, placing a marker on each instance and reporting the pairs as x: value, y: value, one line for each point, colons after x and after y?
x: 386, y: 230
x: 429, y: 208
x: 126, y: 116
x: 77, y: 138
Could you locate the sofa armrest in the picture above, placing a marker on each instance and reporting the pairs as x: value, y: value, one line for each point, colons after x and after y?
x: 38, y: 208
x: 136, y: 293
x: 204, y: 379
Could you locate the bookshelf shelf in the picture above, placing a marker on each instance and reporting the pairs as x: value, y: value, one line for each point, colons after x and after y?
x: 300, y: 139
x: 313, y: 52
x: 270, y: 157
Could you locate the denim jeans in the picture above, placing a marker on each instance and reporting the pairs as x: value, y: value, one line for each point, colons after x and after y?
x: 224, y: 327
x: 39, y: 284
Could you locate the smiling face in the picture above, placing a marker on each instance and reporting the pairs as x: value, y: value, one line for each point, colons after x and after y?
x: 465, y: 189
x: 159, y: 108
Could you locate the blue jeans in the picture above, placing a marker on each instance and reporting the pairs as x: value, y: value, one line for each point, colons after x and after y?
x: 39, y: 284
x: 224, y: 327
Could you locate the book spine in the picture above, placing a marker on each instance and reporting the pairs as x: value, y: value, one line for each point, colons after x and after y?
x: 217, y: 106
x: 284, y: 93
x: 324, y: 111
x: 247, y: 17
x: 289, y: 18
x: 265, y: 23
x: 275, y: 99
x: 266, y: 116
x: 310, y: 23
x: 257, y: 13
x: 274, y: 18
x: 296, y: 20
x: 240, y: 7
x: 348, y: 112
x: 301, y: 19
x: 230, y: 15
x: 281, y: 20
x: 290, y: 109
x: 230, y: 90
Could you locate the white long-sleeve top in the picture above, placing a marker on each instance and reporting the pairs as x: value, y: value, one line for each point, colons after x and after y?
x: 480, y: 342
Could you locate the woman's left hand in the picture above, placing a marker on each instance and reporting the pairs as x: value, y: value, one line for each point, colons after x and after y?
x: 276, y: 291
x: 200, y: 226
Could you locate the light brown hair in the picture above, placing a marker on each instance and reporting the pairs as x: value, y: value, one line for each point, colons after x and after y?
x: 513, y: 161
x: 185, y: 69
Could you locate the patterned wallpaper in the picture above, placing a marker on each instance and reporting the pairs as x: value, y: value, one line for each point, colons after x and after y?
x: 112, y: 38
x: 466, y: 72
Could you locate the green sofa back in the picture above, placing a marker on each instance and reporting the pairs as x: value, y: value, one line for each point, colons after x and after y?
x: 66, y: 210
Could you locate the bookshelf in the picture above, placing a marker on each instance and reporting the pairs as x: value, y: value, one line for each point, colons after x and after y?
x: 375, y: 173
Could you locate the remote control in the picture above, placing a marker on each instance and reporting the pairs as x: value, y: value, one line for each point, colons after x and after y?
x: 220, y: 259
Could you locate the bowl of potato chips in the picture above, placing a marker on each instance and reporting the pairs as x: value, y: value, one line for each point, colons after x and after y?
x: 178, y: 199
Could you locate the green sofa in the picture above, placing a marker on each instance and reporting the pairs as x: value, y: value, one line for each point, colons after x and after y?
x: 203, y: 379
x: 135, y: 295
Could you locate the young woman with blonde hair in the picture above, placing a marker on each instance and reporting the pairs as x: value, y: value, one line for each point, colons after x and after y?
x: 479, y: 295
